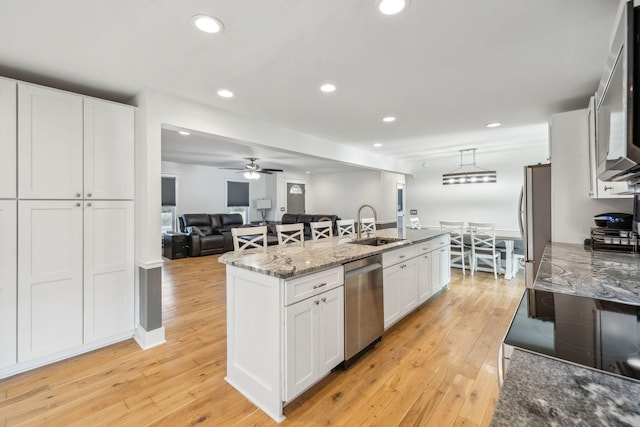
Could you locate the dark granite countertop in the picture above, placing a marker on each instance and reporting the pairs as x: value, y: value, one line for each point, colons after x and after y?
x: 540, y: 391
x: 574, y: 269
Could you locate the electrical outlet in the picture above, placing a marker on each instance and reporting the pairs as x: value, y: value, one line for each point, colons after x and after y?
x: 413, y: 212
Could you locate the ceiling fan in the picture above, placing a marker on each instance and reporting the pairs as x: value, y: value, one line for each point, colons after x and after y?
x: 252, y: 169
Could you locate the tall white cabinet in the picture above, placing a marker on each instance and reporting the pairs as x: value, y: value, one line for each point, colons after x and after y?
x: 74, y: 289
x: 8, y: 288
x: 7, y: 139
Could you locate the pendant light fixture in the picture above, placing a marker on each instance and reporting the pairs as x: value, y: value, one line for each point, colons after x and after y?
x: 468, y: 172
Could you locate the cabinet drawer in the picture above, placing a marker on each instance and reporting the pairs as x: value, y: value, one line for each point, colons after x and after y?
x: 397, y: 255
x: 440, y: 241
x: 313, y: 284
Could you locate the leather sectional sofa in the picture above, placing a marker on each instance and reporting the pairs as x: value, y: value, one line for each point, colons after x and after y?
x: 209, y: 234
x: 289, y: 218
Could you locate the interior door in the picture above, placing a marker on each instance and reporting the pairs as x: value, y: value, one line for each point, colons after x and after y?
x: 295, y: 198
x: 400, y: 203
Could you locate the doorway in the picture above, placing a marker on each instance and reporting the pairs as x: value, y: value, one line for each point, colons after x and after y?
x: 400, y: 207
x: 295, y: 198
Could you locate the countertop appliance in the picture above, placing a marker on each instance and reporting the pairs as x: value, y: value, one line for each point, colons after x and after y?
x: 618, y: 221
x: 363, y: 306
x: 595, y: 333
x: 535, y: 217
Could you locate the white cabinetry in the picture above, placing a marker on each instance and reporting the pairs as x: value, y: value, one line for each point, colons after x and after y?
x: 50, y: 277
x: 8, y: 287
x: 49, y: 143
x: 108, y: 268
x: 282, y: 335
x: 7, y: 139
x: 411, y: 275
x: 314, y: 340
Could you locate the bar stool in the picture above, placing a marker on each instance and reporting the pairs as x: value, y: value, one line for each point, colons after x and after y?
x: 483, y: 246
x: 249, y: 237
x: 458, y: 250
x: 290, y: 233
x: 321, y: 230
x: 367, y: 225
x: 346, y: 228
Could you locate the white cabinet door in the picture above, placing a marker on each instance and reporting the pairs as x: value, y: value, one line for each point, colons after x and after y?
x: 301, y: 345
x: 108, y: 150
x: 8, y: 157
x: 408, y: 286
x: 49, y: 277
x: 440, y: 269
x: 445, y: 266
x: 49, y: 143
x: 108, y: 269
x: 391, y: 277
x: 424, y: 277
x: 8, y: 283
x: 330, y: 330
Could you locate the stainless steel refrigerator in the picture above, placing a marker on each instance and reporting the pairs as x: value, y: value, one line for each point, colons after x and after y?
x: 535, y: 217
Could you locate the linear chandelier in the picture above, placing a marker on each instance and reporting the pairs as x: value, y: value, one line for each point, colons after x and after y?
x: 469, y: 173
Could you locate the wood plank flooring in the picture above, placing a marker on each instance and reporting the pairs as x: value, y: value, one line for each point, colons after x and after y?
x: 437, y: 367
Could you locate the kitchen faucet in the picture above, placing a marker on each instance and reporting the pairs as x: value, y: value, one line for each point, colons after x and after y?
x: 375, y: 219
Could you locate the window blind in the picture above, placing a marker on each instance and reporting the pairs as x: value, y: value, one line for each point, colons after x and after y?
x: 168, y: 191
x: 237, y: 193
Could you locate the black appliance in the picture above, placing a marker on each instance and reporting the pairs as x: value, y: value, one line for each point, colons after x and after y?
x: 617, y: 221
x: 599, y: 334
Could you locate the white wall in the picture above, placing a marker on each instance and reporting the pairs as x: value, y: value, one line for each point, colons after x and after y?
x: 497, y: 203
x: 202, y: 189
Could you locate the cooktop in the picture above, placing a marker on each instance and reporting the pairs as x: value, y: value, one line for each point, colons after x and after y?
x: 600, y: 334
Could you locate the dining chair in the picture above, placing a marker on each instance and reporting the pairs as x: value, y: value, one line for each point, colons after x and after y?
x: 458, y: 249
x: 483, y: 246
x: 249, y: 237
x: 290, y: 233
x: 346, y: 228
x: 415, y: 223
x: 321, y: 229
x: 367, y: 225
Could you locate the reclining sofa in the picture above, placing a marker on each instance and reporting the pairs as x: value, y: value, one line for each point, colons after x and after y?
x: 289, y: 218
x: 209, y: 234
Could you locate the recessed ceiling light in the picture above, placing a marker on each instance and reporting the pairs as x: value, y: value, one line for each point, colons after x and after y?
x: 392, y: 7
x: 208, y: 24
x: 388, y: 119
x: 184, y: 132
x: 307, y: 172
x: 493, y: 125
x: 328, y: 88
x: 225, y: 93
x: 377, y: 144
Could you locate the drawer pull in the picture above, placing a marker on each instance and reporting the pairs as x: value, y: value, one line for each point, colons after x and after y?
x: 324, y: 299
x: 403, y: 266
x: 319, y: 286
x: 402, y: 256
x: 317, y: 302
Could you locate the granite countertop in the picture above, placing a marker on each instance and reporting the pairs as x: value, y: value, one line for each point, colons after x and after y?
x: 286, y: 261
x: 577, y: 270
x: 540, y: 391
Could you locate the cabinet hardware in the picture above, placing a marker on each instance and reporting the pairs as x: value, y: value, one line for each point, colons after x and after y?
x: 608, y: 188
x: 78, y: 204
x: 88, y: 194
x: 77, y: 194
x: 402, y: 256
x: 319, y: 286
x: 317, y: 302
x: 403, y: 266
x: 324, y: 299
x: 88, y: 205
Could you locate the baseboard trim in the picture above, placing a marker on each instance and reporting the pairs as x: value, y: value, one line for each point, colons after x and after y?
x: 149, y: 339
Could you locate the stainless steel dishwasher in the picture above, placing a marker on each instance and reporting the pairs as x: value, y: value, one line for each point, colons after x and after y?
x: 363, y: 306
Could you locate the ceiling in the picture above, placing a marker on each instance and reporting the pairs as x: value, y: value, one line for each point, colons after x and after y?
x: 441, y: 67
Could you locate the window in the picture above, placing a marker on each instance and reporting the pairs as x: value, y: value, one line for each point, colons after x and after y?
x: 168, y: 210
x: 238, y: 199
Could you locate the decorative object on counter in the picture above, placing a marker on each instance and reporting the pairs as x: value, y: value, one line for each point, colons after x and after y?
x: 263, y: 205
x: 605, y: 239
x: 415, y: 223
x: 290, y: 233
x: 321, y: 230
x: 251, y: 237
x: 468, y: 172
x: 346, y: 228
x: 458, y: 249
x: 483, y: 246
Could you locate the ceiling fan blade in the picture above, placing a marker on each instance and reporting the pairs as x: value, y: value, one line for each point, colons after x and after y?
x: 272, y: 170
x: 234, y: 169
x: 264, y: 171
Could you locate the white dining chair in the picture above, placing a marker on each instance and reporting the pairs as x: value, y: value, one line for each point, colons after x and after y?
x: 249, y: 237
x: 367, y: 225
x: 290, y: 233
x: 415, y: 223
x: 483, y: 246
x: 346, y: 228
x: 458, y: 249
x: 321, y: 229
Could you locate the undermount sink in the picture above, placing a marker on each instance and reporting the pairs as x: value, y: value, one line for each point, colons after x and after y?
x: 376, y: 241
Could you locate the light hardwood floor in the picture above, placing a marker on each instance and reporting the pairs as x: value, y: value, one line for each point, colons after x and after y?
x: 436, y: 367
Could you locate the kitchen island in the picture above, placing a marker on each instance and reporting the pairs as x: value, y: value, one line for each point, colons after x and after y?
x: 541, y: 390
x: 285, y: 307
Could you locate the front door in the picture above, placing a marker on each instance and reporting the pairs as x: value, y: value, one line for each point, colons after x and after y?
x: 295, y: 198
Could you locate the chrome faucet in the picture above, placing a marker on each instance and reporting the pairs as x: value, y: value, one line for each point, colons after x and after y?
x: 375, y: 219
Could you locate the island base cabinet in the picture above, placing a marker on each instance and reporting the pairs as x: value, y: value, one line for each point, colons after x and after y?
x: 8, y: 284
x: 400, y: 289
x: 425, y: 280
x: 314, y: 340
